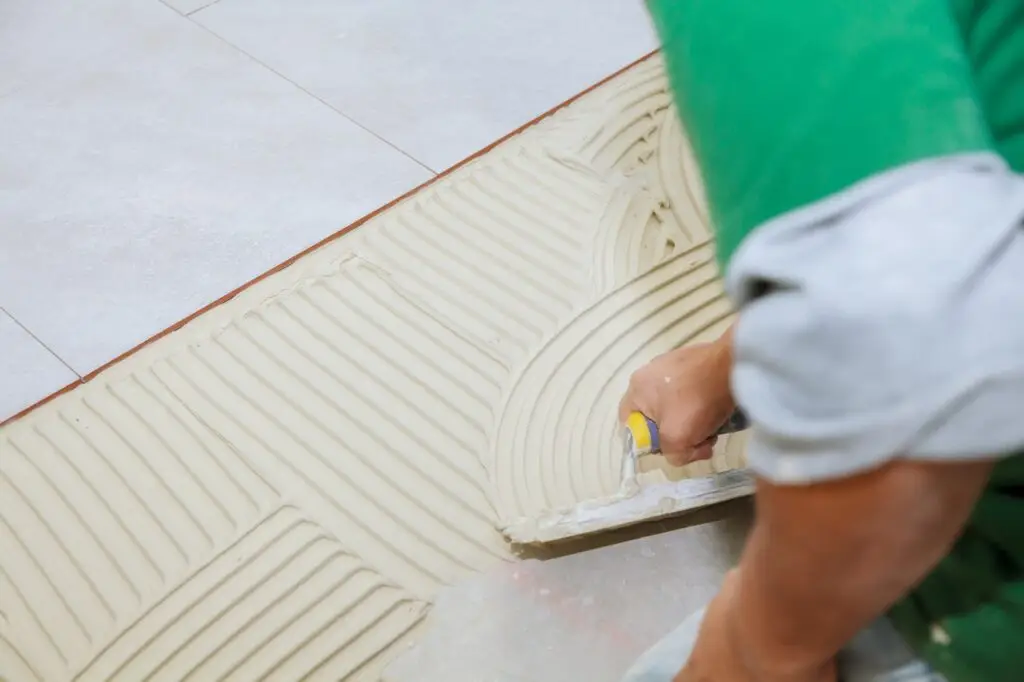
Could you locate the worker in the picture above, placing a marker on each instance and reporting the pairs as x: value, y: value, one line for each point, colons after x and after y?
x: 862, y: 163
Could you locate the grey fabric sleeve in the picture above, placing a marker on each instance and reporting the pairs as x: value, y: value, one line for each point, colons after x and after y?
x: 885, y: 322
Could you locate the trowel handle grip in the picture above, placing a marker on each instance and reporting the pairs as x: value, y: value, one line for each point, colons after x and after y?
x: 644, y: 432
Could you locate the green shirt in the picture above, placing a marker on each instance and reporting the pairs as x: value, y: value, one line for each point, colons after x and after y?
x: 789, y: 102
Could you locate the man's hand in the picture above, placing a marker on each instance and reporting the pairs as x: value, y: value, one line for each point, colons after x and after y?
x: 686, y: 392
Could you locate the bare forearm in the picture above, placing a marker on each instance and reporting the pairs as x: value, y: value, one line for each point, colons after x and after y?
x: 724, y: 359
x: 724, y: 343
x: 824, y: 560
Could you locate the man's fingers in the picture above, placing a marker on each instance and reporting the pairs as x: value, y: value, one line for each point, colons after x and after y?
x: 702, y: 452
x: 678, y: 459
x: 678, y: 440
x: 626, y: 406
x: 633, y: 401
x: 708, y: 443
x: 682, y: 457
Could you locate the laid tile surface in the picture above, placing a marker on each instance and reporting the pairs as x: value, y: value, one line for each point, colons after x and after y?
x: 157, y: 170
x: 438, y: 79
x: 189, y: 6
x: 41, y: 40
x: 28, y: 371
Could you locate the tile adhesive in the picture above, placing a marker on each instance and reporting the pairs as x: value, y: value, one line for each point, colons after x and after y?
x: 278, y: 489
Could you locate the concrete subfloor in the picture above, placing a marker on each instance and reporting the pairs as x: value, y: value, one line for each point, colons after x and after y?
x: 583, y: 611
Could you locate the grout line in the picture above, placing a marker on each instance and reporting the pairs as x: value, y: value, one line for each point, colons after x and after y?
x: 310, y: 93
x: 171, y: 7
x: 277, y: 73
x: 200, y: 9
x: 39, y: 341
x: 189, y: 13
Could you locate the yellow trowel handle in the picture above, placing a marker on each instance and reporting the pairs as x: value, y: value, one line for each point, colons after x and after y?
x: 643, y: 432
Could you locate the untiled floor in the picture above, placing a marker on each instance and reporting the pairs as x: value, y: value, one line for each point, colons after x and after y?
x: 279, y: 489
x: 155, y: 155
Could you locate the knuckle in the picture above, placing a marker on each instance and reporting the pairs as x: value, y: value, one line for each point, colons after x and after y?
x: 673, y: 437
x: 678, y: 458
x: 636, y: 380
x: 702, y: 453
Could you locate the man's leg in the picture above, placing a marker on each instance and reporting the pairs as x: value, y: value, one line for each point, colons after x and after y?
x: 876, y: 654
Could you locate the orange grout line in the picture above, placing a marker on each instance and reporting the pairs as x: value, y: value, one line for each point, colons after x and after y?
x: 348, y: 228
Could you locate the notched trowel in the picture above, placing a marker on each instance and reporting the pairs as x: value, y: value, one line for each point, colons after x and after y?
x: 633, y: 503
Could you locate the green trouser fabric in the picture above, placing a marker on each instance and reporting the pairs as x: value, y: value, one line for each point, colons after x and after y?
x: 967, y: 617
x: 788, y: 102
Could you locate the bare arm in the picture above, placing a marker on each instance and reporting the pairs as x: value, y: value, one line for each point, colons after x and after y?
x: 824, y: 560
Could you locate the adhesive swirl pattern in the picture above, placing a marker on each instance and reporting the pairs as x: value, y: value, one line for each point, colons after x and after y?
x: 278, y: 489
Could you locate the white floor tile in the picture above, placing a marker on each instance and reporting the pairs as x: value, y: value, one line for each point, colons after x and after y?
x: 439, y: 79
x: 189, y: 6
x: 147, y: 168
x: 28, y: 371
x: 28, y: 51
